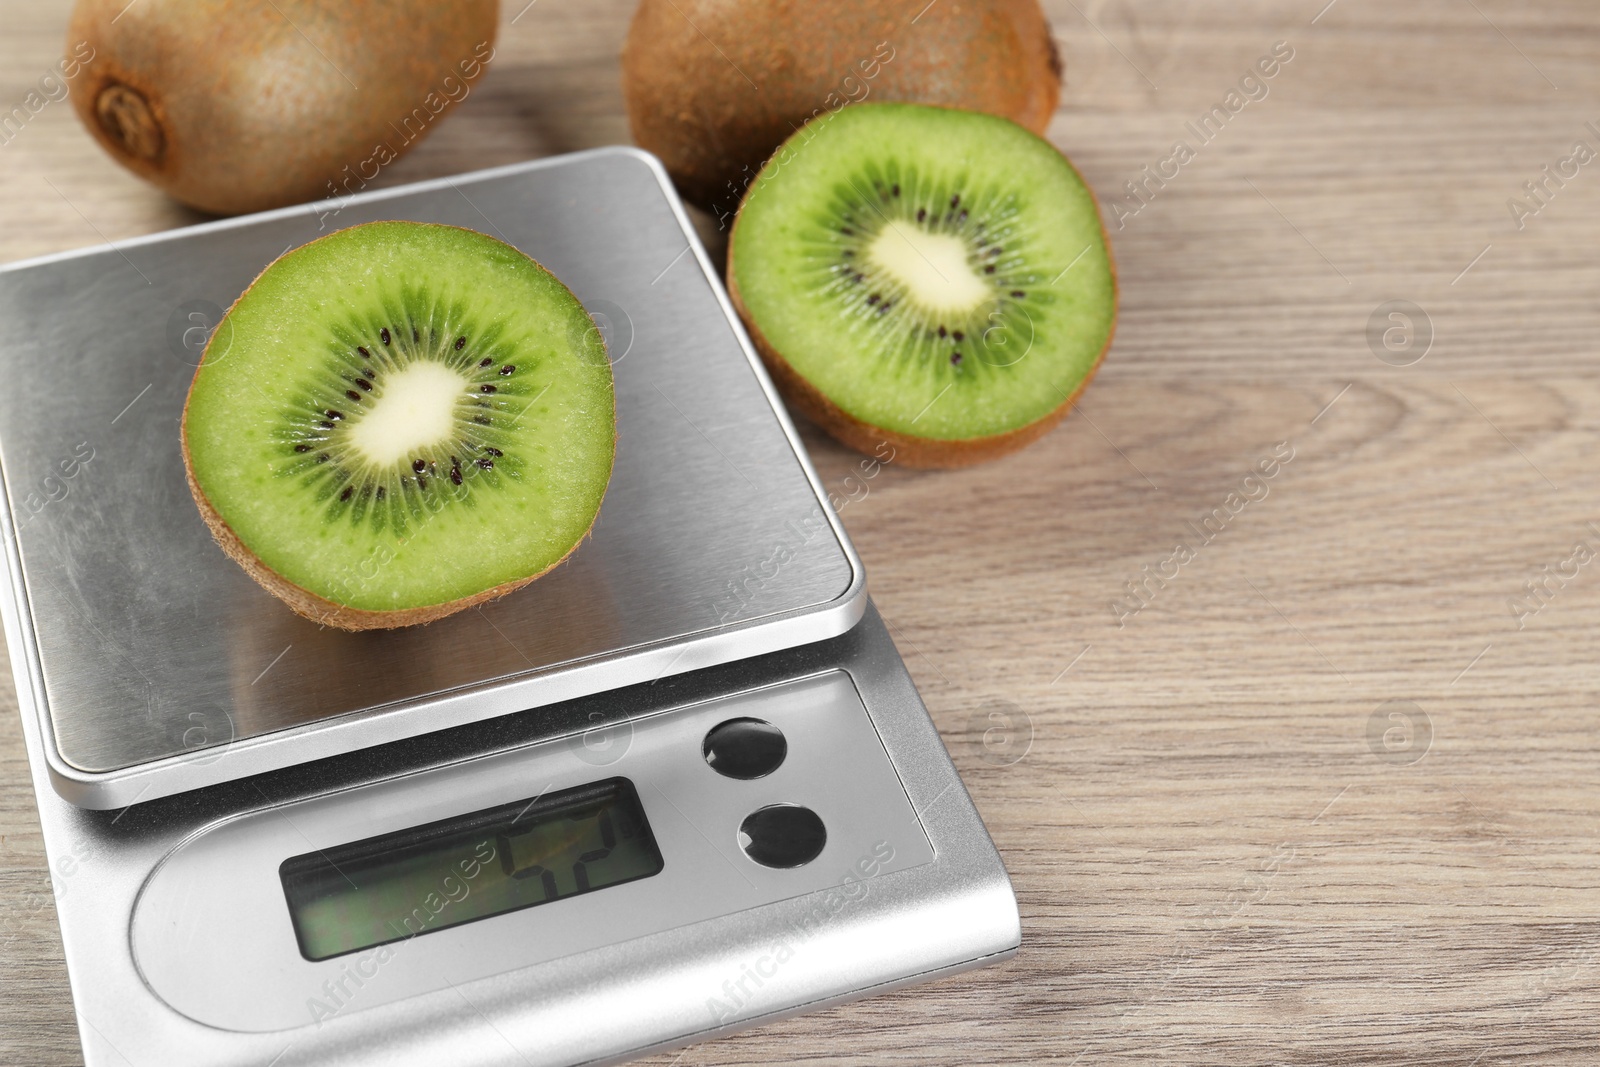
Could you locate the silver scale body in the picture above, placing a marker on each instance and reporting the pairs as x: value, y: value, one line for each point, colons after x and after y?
x: 187, y: 733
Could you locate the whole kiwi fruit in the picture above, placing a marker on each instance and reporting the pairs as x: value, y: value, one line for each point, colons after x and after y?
x: 714, y: 86
x: 241, y: 105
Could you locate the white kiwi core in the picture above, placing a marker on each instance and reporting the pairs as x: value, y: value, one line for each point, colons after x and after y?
x: 933, y: 267
x: 415, y: 410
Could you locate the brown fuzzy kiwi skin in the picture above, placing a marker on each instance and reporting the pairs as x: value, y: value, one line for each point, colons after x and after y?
x: 688, y: 67
x: 301, y: 600
x: 231, y: 110
x: 911, y: 451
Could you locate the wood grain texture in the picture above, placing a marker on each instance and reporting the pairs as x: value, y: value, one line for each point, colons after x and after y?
x: 1216, y: 861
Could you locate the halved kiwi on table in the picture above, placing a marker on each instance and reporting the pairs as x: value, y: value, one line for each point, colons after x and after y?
x: 931, y: 278
x: 398, y: 421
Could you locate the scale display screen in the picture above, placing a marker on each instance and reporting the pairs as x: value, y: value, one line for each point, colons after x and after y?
x: 457, y: 870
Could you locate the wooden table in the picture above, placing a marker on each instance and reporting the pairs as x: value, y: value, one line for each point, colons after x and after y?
x: 1229, y: 846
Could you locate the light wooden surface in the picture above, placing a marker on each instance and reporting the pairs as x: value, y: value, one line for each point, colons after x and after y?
x: 1216, y: 861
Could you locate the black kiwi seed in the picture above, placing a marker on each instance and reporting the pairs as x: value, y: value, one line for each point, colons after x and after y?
x: 482, y: 420
x: 955, y: 359
x: 326, y: 424
x: 422, y: 481
x: 955, y: 201
x: 509, y: 368
x: 349, y: 490
x: 942, y: 332
x: 922, y: 214
x: 461, y: 342
x: 455, y: 471
x: 353, y: 395
x: 419, y: 465
x: 379, y: 495
x: 896, y: 189
x: 485, y: 361
x: 383, y: 334
x: 874, y: 298
x: 366, y: 386
x: 414, y: 338
x: 1018, y: 293
x: 989, y: 269
x: 364, y: 353
x: 485, y: 463
x: 493, y: 451
x: 847, y: 231
x: 332, y: 414
x: 958, y: 335
x: 486, y: 388
x: 322, y: 457
x: 302, y: 448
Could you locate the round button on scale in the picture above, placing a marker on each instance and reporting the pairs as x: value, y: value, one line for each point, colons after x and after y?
x: 745, y: 748
x: 782, y: 835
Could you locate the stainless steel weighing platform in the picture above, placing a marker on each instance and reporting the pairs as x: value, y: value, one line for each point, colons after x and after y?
x: 237, y: 803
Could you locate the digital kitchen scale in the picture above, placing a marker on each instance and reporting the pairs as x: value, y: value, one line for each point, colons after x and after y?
x: 680, y: 785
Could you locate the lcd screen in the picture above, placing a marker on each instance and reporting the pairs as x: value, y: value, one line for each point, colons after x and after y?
x: 470, y: 867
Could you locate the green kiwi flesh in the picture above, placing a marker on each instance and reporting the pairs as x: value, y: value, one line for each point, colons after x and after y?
x: 935, y: 278
x: 400, y: 420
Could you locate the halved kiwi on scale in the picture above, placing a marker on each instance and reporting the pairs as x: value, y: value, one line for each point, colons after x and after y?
x: 931, y: 278
x: 398, y: 421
